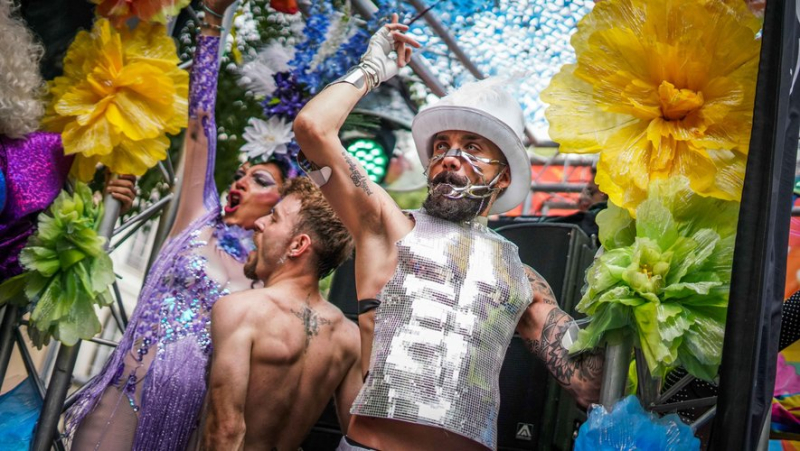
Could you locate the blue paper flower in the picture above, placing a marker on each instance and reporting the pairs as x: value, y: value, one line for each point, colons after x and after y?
x: 628, y: 426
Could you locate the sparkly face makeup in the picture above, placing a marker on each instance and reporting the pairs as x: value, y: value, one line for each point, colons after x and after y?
x: 254, y: 192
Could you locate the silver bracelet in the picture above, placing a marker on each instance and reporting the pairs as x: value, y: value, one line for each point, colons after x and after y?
x: 372, y: 75
x: 359, y: 76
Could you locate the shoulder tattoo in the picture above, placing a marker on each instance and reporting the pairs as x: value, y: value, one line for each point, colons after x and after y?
x: 312, y: 322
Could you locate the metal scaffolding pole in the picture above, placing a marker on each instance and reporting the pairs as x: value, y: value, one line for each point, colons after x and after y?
x: 47, y: 426
x: 6, y: 337
x: 619, y: 347
x: 367, y: 9
x: 558, y: 187
x: 448, y: 39
x: 61, y: 378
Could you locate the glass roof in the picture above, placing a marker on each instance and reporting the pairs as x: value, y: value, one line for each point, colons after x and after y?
x: 528, y: 39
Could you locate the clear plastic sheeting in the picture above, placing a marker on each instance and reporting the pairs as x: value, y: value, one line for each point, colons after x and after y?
x: 629, y: 427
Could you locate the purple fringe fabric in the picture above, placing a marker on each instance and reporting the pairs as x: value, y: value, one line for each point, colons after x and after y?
x: 35, y: 169
x: 175, y: 383
x: 149, y: 302
x: 173, y: 395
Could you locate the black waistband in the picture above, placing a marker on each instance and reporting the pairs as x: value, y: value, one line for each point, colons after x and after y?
x: 366, y: 305
x: 352, y: 442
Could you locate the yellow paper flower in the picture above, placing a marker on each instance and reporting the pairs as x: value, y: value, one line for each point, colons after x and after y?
x: 119, y: 11
x: 660, y: 88
x: 119, y: 95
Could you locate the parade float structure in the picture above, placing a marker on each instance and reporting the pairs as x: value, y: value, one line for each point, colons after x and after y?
x: 743, y: 262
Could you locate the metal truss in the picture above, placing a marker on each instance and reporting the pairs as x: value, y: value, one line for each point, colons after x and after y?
x: 618, y: 355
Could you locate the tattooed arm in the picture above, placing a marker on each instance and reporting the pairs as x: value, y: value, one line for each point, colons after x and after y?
x: 542, y: 326
x: 364, y: 208
x: 370, y: 215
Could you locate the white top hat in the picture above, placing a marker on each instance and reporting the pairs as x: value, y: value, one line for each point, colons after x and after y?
x: 484, y: 108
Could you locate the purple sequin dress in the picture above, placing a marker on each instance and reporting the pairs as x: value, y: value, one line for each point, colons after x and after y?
x: 34, y: 169
x: 150, y: 393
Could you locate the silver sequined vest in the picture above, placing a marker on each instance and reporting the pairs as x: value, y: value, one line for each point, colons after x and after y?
x: 445, y: 321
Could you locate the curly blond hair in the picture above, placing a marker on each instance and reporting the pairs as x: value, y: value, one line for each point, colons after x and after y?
x: 21, y: 84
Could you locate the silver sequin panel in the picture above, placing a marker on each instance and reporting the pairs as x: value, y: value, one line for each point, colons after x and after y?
x: 442, y: 330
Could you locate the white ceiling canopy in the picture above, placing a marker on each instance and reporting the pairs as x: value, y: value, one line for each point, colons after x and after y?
x: 528, y: 39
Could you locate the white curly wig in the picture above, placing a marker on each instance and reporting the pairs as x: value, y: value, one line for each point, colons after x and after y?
x: 21, y: 85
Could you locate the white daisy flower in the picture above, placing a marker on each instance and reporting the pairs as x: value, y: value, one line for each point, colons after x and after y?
x: 265, y: 138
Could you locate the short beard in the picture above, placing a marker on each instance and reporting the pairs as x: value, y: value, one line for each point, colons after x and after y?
x: 250, y: 266
x: 455, y: 210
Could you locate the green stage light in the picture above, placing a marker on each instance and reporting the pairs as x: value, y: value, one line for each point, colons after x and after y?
x: 372, y: 156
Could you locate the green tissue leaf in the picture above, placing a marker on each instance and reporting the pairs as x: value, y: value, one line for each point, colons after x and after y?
x: 68, y: 271
x: 665, y: 277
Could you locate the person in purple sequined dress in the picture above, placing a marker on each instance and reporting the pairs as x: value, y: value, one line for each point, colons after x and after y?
x: 149, y: 394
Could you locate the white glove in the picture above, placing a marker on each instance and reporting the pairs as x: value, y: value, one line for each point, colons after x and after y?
x: 381, y: 57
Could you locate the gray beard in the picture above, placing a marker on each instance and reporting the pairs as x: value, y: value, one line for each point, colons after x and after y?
x: 455, y: 210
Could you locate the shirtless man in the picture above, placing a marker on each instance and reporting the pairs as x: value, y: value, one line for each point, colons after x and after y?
x: 440, y: 295
x: 282, y: 351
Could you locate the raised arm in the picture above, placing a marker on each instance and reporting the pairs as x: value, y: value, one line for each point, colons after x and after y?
x: 198, y: 194
x: 364, y: 207
x: 543, y: 325
x: 230, y: 372
x: 367, y: 211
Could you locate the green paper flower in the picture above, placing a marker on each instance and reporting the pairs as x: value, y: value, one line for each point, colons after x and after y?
x: 665, y: 276
x: 68, y: 271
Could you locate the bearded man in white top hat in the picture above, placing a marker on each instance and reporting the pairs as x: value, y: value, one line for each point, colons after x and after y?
x: 440, y: 294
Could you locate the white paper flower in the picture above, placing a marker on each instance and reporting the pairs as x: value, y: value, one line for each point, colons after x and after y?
x: 265, y: 138
x: 256, y: 75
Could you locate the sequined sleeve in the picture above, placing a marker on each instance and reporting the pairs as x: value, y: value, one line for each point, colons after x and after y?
x: 198, y: 193
x: 203, y: 96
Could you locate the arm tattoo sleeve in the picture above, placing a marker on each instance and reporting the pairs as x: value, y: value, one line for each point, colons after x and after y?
x: 359, y: 180
x: 583, y: 368
x: 541, y: 289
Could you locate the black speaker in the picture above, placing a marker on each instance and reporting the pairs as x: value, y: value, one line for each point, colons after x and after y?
x: 343, y: 288
x: 560, y: 253
x: 523, y: 394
